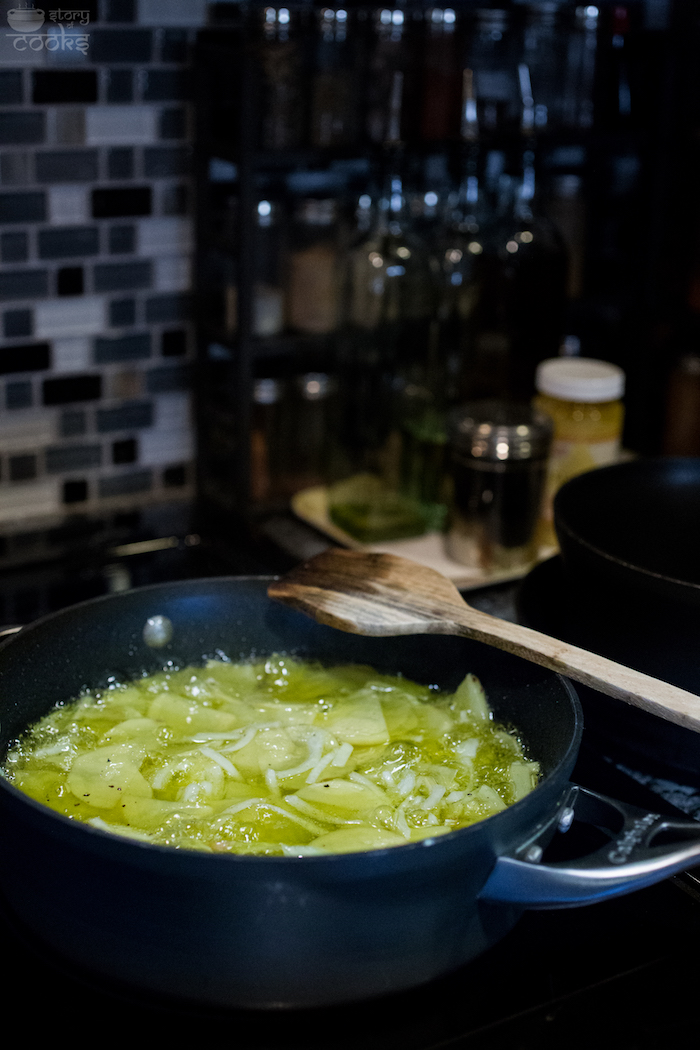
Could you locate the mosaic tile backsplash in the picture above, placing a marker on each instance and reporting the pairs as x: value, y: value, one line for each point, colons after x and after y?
x: 95, y: 258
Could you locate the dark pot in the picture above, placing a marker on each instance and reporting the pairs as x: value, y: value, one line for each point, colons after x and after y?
x: 268, y: 931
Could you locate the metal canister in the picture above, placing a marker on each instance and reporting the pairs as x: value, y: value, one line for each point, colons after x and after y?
x: 497, y: 459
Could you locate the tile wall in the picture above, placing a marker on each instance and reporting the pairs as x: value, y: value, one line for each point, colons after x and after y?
x: 96, y: 342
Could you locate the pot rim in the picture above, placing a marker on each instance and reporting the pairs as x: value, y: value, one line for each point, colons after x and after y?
x: 187, y: 856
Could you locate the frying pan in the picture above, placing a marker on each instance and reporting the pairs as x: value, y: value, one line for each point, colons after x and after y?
x: 633, y: 530
x: 628, y: 587
x: 297, y: 931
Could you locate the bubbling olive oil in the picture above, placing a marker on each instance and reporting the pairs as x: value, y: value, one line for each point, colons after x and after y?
x: 278, y: 757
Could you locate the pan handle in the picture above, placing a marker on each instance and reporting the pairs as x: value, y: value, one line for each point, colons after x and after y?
x: 630, y: 861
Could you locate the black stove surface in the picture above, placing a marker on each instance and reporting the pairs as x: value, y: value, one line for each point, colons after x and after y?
x: 622, y: 973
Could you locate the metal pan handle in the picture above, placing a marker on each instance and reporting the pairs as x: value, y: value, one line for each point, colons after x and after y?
x: 630, y: 861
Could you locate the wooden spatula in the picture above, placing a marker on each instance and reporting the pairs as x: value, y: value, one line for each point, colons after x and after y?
x: 381, y: 594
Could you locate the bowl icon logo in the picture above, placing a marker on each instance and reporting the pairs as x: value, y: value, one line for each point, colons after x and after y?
x: 25, y: 19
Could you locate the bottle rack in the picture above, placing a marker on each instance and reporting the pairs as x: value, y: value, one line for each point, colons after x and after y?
x: 626, y: 278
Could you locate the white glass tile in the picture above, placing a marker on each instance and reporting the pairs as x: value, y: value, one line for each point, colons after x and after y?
x: 121, y: 125
x: 73, y: 354
x: 157, y: 236
x: 76, y: 315
x: 68, y: 205
x: 174, y: 13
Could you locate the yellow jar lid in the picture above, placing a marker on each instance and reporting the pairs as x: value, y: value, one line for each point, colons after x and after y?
x: 580, y: 379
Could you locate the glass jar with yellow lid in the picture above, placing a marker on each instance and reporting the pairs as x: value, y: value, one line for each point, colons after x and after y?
x: 583, y: 397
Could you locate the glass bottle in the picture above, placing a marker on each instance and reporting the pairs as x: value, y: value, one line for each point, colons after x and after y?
x: 282, y: 121
x: 383, y: 343
x: 439, y: 117
x: 334, y: 119
x: 311, y: 293
x: 268, y: 293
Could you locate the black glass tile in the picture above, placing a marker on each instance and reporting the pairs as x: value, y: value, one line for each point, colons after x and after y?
x: 122, y: 239
x: 72, y: 388
x: 17, y: 323
x: 125, y: 484
x: 172, y: 124
x: 113, y: 204
x: 10, y: 87
x: 18, y: 395
x: 120, y: 163
x: 175, y: 200
x: 119, y: 11
x: 67, y: 166
x: 127, y: 348
x: 22, y: 467
x: 165, y: 85
x: 24, y: 284
x: 74, y: 492
x: 70, y: 280
x: 113, y: 277
x: 173, y: 342
x: 72, y: 423
x: 22, y: 126
x: 60, y: 459
x: 14, y: 247
x: 175, y: 477
x: 165, y: 309
x: 22, y: 207
x: 172, y: 377
x: 32, y: 357
x: 162, y: 161
x: 125, y: 451
x: 64, y: 85
x: 121, y: 45
x: 122, y: 313
x: 65, y: 241
x: 174, y: 45
x: 120, y: 85
x: 131, y: 416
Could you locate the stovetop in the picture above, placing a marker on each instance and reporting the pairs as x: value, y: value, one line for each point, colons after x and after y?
x: 620, y: 973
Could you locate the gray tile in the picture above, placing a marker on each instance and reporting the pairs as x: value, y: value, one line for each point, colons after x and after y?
x: 164, y: 309
x: 174, y: 45
x: 172, y: 124
x: 113, y: 277
x: 14, y: 247
x: 22, y: 467
x: 24, y: 284
x: 120, y: 163
x: 15, y: 168
x: 17, y: 323
x: 22, y: 207
x: 10, y: 87
x: 119, y: 10
x: 125, y: 484
x: 131, y: 416
x: 120, y: 85
x: 168, y: 378
x: 162, y: 161
x: 67, y: 166
x: 67, y: 241
x: 122, y: 240
x: 122, y: 313
x: 175, y: 200
x: 72, y: 423
x: 60, y: 459
x: 121, y: 45
x: 18, y: 395
x: 166, y: 85
x: 18, y: 126
x: 128, y: 348
x: 69, y: 126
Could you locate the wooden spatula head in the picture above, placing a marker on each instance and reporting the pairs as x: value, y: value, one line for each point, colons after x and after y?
x: 370, y: 593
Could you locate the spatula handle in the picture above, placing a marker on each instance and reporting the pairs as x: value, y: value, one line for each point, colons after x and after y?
x: 641, y: 690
